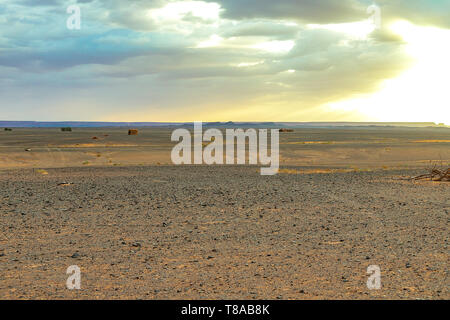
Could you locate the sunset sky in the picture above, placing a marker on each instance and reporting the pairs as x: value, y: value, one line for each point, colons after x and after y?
x: 220, y: 60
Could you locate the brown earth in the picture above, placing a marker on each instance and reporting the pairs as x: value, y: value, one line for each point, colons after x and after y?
x: 142, y: 230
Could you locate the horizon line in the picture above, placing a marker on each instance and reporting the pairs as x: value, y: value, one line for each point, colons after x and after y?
x: 218, y: 121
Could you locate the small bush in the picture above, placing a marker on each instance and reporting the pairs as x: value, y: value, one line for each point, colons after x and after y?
x: 8, y: 129
x: 435, y: 175
x: 66, y: 129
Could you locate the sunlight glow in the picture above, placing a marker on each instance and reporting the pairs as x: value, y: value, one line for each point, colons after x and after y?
x: 420, y: 93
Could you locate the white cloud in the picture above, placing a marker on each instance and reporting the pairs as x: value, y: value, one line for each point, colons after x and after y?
x: 276, y: 46
x: 176, y: 11
x: 355, y: 30
x: 161, y: 58
x: 213, y: 41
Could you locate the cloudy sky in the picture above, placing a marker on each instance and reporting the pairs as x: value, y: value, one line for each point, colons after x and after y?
x: 220, y: 60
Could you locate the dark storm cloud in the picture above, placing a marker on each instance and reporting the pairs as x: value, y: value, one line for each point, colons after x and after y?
x: 311, y: 11
x: 424, y: 12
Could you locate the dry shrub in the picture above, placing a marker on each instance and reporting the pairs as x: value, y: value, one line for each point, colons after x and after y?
x: 435, y: 174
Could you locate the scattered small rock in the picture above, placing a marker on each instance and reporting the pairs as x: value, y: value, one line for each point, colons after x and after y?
x: 62, y: 184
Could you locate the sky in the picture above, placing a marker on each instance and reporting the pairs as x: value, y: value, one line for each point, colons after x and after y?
x: 225, y: 60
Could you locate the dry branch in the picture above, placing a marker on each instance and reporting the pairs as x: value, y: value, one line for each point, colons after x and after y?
x: 435, y: 175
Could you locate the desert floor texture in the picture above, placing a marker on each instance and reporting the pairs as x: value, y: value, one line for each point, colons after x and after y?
x: 140, y: 227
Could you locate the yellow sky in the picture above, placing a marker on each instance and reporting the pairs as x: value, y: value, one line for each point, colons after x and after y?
x: 420, y: 93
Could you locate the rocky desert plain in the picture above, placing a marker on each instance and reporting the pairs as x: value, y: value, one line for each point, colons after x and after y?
x: 140, y: 227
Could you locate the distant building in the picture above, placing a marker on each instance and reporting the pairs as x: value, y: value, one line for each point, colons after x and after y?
x: 133, y: 132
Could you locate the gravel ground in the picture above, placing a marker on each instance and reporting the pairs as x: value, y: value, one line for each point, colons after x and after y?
x: 196, y: 232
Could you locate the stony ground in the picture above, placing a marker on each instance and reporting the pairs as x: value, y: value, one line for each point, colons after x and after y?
x: 194, y: 232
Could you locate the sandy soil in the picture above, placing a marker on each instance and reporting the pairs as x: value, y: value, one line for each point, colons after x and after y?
x: 348, y: 148
x: 222, y: 232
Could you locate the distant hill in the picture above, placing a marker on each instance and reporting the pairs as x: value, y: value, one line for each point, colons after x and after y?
x: 229, y: 124
x: 79, y: 124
